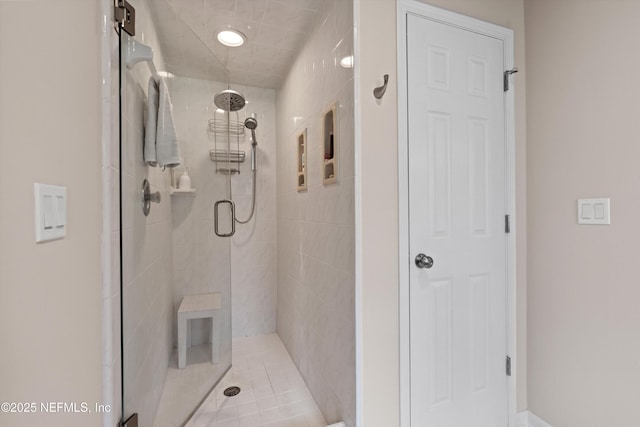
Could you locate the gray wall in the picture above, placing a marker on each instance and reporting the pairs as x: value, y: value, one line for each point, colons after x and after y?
x: 583, y: 127
x: 50, y: 293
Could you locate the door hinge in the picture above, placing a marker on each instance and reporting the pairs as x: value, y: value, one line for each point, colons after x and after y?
x: 132, y: 421
x: 125, y: 16
x: 507, y: 224
x: 506, y: 77
x: 508, y: 367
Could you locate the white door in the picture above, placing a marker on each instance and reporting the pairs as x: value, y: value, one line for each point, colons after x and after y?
x: 457, y: 207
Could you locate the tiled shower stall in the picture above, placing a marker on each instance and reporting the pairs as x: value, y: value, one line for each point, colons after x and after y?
x: 291, y: 268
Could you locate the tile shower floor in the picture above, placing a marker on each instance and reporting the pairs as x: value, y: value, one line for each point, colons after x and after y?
x: 272, y: 391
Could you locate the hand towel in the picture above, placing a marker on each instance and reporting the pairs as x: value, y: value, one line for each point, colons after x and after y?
x: 168, y: 153
x: 150, y: 124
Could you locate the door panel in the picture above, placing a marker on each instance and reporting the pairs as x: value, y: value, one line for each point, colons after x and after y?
x: 172, y: 252
x: 457, y: 205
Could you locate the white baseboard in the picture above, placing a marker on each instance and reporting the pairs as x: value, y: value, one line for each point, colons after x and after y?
x: 529, y: 419
x: 522, y: 420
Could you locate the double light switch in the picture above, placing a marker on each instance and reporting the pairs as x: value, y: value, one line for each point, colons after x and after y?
x: 594, y: 211
x: 51, y: 212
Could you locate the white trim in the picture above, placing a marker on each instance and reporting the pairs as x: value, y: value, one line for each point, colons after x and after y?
x: 357, y: 128
x: 109, y: 418
x: 522, y: 419
x: 535, y: 421
x: 529, y: 419
x: 403, y: 217
x: 506, y: 35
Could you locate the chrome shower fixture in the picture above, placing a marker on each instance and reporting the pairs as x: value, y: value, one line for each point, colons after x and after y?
x: 229, y: 100
x: 251, y: 123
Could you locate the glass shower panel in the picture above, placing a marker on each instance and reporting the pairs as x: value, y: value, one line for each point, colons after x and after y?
x: 176, y: 272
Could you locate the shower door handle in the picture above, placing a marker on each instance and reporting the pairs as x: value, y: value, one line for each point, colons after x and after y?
x: 216, y: 217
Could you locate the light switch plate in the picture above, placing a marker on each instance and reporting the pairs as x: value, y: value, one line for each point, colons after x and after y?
x: 50, y: 212
x: 594, y: 211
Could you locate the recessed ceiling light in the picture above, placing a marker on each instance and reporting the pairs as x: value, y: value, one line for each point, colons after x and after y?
x: 230, y: 37
x: 347, y: 61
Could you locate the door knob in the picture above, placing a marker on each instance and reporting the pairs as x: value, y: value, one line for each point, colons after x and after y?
x: 424, y: 261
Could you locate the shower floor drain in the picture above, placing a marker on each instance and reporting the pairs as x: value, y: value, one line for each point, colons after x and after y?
x: 232, y: 391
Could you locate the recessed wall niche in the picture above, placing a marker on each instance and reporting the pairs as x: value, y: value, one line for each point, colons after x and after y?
x: 301, y: 171
x: 330, y: 152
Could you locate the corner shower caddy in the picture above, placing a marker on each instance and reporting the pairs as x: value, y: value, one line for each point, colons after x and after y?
x: 226, y: 132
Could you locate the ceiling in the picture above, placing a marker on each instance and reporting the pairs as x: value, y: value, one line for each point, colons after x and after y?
x: 275, y: 31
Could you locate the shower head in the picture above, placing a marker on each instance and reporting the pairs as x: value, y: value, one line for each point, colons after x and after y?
x: 229, y: 100
x: 252, y: 123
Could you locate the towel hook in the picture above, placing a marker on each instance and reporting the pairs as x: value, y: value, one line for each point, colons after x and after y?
x: 379, y: 91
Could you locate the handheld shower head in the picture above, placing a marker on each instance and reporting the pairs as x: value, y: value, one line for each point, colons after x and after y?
x: 252, y: 123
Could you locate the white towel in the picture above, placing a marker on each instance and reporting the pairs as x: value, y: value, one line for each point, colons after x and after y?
x: 167, y: 151
x: 150, y: 124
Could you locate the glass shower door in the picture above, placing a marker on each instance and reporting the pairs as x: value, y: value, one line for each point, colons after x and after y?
x: 175, y: 271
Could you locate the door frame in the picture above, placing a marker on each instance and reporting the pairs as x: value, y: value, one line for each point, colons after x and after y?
x: 437, y: 14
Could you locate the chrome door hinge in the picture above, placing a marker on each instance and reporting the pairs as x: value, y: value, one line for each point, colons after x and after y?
x: 506, y: 77
x: 125, y: 16
x: 507, y: 224
x: 508, y: 367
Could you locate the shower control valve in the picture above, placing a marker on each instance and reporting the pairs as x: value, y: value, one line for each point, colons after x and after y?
x: 148, y: 197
